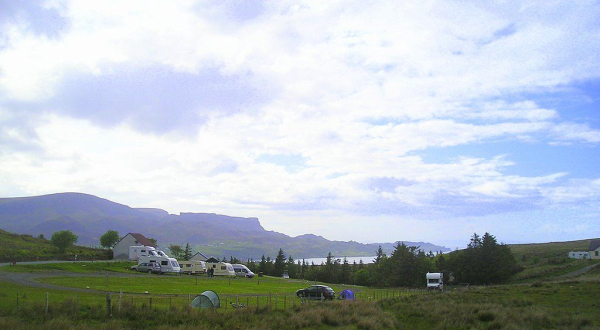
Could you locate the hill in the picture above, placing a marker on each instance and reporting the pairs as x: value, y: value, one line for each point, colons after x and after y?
x: 89, y: 217
x: 25, y: 247
x: 544, y: 261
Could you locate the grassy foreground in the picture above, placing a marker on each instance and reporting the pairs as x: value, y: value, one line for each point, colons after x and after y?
x: 561, y: 305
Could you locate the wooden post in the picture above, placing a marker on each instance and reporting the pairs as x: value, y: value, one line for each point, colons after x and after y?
x: 107, y: 279
x: 76, y: 303
x: 47, y: 297
x: 170, y: 302
x: 108, y: 311
x: 17, y: 303
x: 189, y: 294
x: 257, y: 303
x: 150, y: 302
x: 120, y: 299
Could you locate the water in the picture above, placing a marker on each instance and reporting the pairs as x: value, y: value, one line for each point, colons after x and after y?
x: 351, y: 260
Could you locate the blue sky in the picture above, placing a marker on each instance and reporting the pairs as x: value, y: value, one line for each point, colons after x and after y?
x: 367, y: 121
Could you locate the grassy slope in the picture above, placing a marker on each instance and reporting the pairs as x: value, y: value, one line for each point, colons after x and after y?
x: 26, y: 248
x: 546, y: 261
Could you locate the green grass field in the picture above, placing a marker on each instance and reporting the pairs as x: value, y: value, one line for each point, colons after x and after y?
x: 537, y: 298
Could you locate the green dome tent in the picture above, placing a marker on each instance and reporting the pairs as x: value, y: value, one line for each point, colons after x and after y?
x: 207, y: 299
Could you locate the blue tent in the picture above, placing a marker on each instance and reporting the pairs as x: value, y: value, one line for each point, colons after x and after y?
x: 207, y: 299
x: 346, y: 295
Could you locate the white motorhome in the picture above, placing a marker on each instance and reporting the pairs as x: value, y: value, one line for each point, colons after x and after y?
x: 242, y: 270
x: 137, y: 251
x: 435, y: 281
x: 192, y: 267
x: 167, y: 264
x: 220, y: 268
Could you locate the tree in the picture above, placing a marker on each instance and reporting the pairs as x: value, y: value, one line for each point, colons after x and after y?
x: 109, y: 239
x: 484, y: 261
x: 153, y: 241
x: 187, y: 253
x: 63, y: 239
x: 379, y: 255
x: 176, y: 250
x: 279, y: 265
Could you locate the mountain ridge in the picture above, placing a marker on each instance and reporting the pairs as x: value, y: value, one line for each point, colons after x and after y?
x: 89, y: 217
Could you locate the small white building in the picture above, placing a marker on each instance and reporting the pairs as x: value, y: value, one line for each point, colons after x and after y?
x: 594, y: 249
x: 121, y: 249
x: 199, y: 256
x: 579, y: 255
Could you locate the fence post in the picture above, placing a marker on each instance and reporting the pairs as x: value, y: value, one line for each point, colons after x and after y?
x: 257, y: 303
x: 189, y: 296
x: 77, y: 303
x: 276, y: 296
x: 17, y: 303
x: 150, y: 302
x: 170, y: 302
x: 46, y: 309
x: 108, y: 311
x: 120, y: 299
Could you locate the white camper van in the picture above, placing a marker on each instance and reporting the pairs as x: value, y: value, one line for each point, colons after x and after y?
x: 242, y: 270
x: 167, y: 264
x: 220, y: 268
x: 435, y: 281
x: 137, y: 251
x: 192, y: 267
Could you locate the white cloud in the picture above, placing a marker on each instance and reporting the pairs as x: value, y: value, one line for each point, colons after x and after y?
x: 354, y: 90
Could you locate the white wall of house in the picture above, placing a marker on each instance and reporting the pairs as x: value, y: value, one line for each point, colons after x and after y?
x: 595, y: 254
x: 579, y: 255
x: 121, y: 249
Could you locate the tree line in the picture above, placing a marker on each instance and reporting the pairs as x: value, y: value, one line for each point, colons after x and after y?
x: 483, y: 261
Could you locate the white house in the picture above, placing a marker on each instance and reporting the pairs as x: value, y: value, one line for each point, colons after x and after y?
x: 121, y: 249
x: 199, y: 256
x: 579, y: 255
x: 594, y: 249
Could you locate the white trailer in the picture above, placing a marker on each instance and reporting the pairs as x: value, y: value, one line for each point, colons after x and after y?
x: 192, y: 267
x: 242, y: 270
x: 167, y: 264
x: 435, y: 281
x: 220, y: 268
x: 137, y: 251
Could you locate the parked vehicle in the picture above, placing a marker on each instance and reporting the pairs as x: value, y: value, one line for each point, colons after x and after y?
x: 435, y: 281
x: 167, y: 264
x: 220, y: 268
x: 242, y: 270
x: 316, y: 292
x: 147, y: 267
x: 192, y: 267
x: 137, y: 251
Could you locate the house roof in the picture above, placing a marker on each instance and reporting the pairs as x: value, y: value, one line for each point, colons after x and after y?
x: 213, y: 260
x: 201, y: 254
x: 594, y: 245
x: 141, y: 238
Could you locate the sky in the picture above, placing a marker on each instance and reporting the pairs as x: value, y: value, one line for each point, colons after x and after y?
x: 372, y: 121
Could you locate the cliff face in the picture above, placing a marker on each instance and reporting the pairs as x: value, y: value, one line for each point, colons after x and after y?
x: 220, y: 235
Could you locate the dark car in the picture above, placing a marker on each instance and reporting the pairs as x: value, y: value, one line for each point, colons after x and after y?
x: 147, y: 267
x: 316, y: 292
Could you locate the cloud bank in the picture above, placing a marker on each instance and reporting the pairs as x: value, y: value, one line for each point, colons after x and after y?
x: 354, y: 120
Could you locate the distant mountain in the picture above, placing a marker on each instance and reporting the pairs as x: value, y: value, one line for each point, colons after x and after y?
x: 89, y: 217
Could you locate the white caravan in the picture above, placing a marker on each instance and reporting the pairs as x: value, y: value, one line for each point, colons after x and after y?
x: 220, y: 268
x: 192, y: 267
x: 137, y: 251
x: 167, y: 264
x: 242, y: 270
x: 435, y: 281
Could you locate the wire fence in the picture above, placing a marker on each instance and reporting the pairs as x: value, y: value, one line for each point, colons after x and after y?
x: 111, y: 303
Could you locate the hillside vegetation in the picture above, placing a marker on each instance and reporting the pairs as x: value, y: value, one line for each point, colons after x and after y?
x: 546, y: 261
x: 16, y: 247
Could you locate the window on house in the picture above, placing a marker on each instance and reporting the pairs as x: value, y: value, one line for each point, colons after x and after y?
x: 597, y: 253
